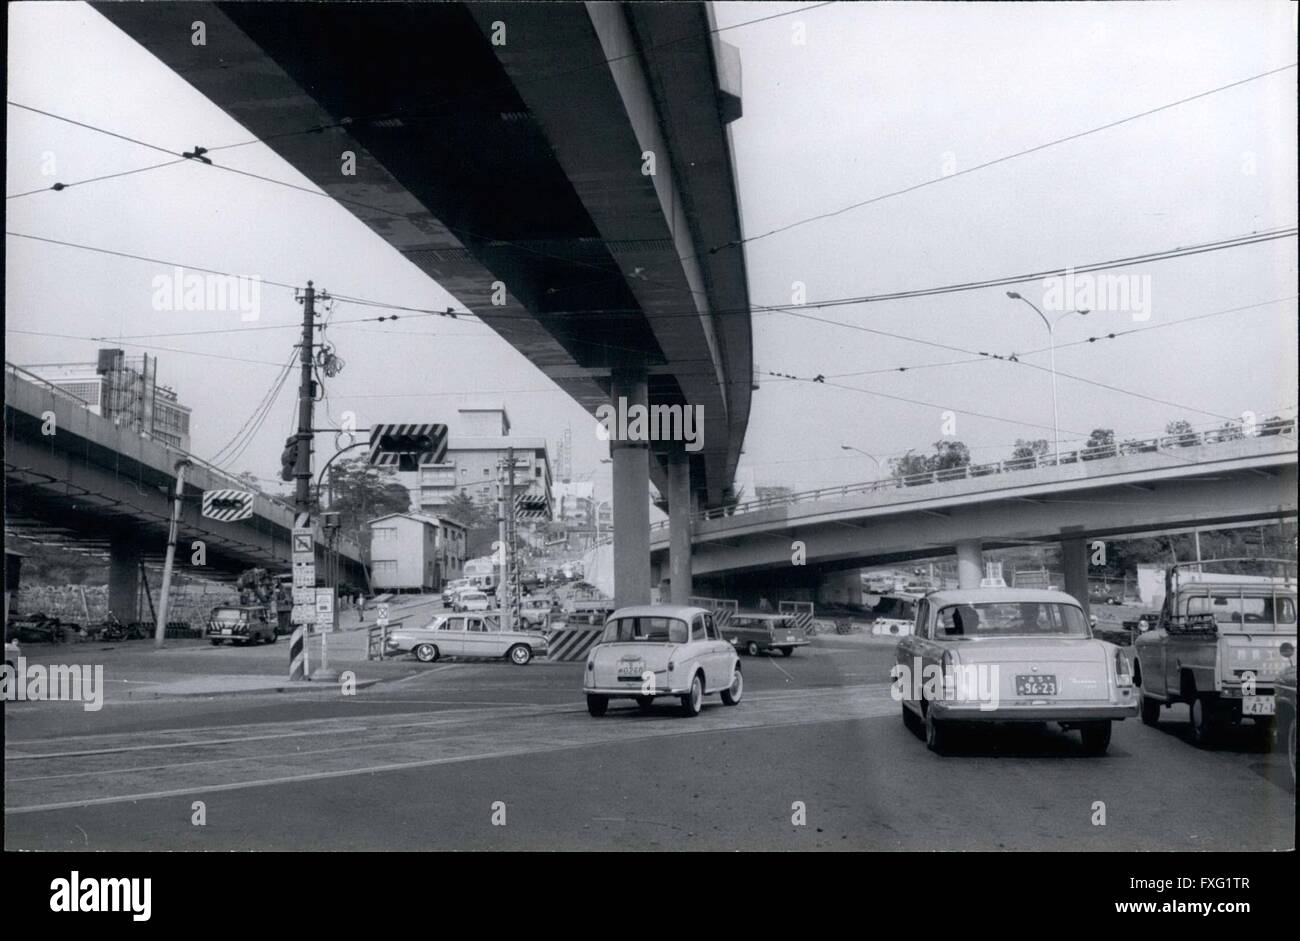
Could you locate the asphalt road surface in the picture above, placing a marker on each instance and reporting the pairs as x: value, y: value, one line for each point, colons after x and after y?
x: 487, y: 755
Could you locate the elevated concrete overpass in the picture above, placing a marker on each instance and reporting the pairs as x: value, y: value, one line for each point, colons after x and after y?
x: 1165, y: 486
x: 98, y: 486
x: 505, y: 150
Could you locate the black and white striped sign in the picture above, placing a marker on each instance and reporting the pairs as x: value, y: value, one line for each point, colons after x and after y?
x: 227, y: 506
x: 407, y: 446
x: 532, y: 506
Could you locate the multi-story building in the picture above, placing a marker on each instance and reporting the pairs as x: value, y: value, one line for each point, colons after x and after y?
x: 475, y: 461
x: 573, y: 503
x: 415, y: 552
x: 124, y: 389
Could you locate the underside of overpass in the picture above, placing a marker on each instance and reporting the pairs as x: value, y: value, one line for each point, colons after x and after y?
x: 563, y: 169
x: 519, y: 162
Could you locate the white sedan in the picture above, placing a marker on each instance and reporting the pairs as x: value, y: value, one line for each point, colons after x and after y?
x: 1010, y: 655
x: 466, y: 635
x: 471, y: 601
x: 651, y: 651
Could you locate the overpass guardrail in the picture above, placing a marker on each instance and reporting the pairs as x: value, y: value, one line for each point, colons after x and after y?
x: 1163, y: 443
x: 347, y: 546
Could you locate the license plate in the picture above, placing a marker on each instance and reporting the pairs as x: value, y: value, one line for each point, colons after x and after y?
x: 1258, y: 705
x: 1035, y: 685
x: 789, y: 637
x: 631, y: 670
x: 227, y: 631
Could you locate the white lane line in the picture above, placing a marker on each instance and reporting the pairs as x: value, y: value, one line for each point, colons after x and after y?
x: 404, y: 766
x: 349, y: 729
x: 772, y: 660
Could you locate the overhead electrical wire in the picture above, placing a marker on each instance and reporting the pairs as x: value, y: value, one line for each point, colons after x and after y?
x: 995, y: 161
x: 199, y: 158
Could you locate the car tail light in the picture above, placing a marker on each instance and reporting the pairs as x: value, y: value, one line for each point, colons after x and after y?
x: 1123, y: 669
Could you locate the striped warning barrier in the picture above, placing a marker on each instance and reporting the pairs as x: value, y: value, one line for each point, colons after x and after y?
x: 571, y: 643
x: 227, y: 506
x: 801, y: 612
x: 298, y: 653
x: 722, y: 608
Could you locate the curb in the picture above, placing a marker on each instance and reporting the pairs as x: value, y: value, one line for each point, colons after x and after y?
x: 297, y: 687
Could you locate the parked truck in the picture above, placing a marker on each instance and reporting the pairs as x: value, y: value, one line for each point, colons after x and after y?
x: 1220, y: 643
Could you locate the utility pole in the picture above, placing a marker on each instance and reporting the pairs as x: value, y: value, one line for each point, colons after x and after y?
x: 512, y: 560
x: 160, y: 627
x: 305, y: 559
x: 306, y: 398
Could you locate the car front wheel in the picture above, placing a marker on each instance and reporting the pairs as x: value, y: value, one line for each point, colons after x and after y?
x: 752, y: 648
x: 1096, y: 736
x: 520, y: 654
x: 938, y: 735
x: 693, y: 701
x: 1150, y: 708
x: 731, y: 695
x: 1205, y: 721
x: 426, y: 653
x: 596, y: 705
x: 1290, y: 752
x: 910, y: 720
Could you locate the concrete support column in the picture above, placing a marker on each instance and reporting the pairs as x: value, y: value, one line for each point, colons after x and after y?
x: 679, y: 525
x: 631, y: 494
x: 1074, y: 562
x: 124, y: 578
x: 970, y: 563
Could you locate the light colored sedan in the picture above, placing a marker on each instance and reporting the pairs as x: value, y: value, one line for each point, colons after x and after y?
x: 661, y: 650
x: 1010, y: 655
x: 471, y: 601
x: 466, y: 635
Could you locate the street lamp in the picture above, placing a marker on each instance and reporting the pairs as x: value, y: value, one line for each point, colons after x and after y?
x: 1051, y: 334
x: 849, y: 447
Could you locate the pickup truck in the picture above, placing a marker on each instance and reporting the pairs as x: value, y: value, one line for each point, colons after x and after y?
x: 1219, y: 645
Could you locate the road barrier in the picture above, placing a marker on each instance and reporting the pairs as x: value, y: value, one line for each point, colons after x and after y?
x: 801, y: 612
x: 572, y: 643
x: 722, y: 608
x: 298, y: 654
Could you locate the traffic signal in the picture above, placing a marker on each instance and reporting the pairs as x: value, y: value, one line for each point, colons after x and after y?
x: 407, y: 446
x: 289, y: 458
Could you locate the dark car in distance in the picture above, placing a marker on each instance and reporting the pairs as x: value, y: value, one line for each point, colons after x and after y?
x: 759, y: 632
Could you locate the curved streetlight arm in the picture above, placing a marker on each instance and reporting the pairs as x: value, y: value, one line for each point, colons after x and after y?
x: 321, y: 476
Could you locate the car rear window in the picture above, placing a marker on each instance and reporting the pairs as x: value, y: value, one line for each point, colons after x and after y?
x: 664, y: 630
x: 1012, y: 619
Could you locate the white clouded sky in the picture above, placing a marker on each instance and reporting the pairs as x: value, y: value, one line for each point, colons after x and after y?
x: 880, y: 97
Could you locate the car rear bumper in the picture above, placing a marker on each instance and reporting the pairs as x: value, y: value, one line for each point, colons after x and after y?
x: 630, y: 691
x: 1061, y: 712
